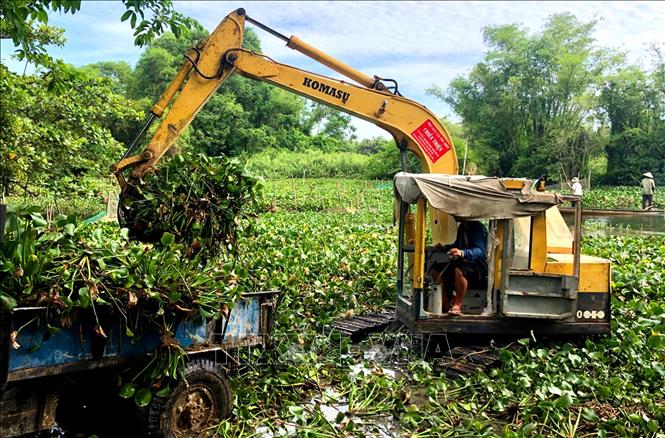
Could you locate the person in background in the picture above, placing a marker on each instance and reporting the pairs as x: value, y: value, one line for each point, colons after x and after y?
x: 576, y: 186
x: 648, y: 187
x: 468, y: 265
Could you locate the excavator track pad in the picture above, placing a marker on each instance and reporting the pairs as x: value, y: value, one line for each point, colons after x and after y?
x: 359, y: 327
x: 466, y: 360
x: 457, y: 360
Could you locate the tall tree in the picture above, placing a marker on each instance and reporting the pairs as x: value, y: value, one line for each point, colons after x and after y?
x: 79, y: 130
x: 528, y: 107
x: 21, y: 21
x: 44, y: 137
x: 634, y: 104
x: 119, y: 74
x: 328, y: 121
x: 155, y: 69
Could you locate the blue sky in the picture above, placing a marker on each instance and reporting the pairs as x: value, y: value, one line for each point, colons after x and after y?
x: 417, y: 43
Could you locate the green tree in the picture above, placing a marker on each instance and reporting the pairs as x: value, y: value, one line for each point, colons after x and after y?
x: 159, y: 63
x: 46, y: 137
x: 529, y: 106
x: 21, y: 21
x: 164, y: 56
x: 370, y: 146
x: 155, y: 69
x: 322, y: 119
x: 119, y: 74
x: 634, y: 104
x: 25, y: 22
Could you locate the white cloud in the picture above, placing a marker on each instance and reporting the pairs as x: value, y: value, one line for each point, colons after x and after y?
x: 417, y: 43
x: 353, y: 30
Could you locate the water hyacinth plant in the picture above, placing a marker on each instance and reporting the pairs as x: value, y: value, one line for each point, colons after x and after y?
x: 334, y: 261
x: 197, y: 198
x: 184, y: 269
x: 66, y: 266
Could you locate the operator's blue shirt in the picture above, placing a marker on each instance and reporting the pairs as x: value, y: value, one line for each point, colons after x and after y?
x: 472, y: 239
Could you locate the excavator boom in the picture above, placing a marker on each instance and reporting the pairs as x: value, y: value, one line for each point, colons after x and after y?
x: 412, y: 125
x: 209, y: 64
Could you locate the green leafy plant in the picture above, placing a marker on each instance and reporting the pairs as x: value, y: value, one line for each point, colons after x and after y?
x: 199, y: 199
x: 333, y: 262
x: 330, y: 246
x: 621, y: 197
x: 187, y: 271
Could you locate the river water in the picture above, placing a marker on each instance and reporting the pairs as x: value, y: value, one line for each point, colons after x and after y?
x: 653, y: 224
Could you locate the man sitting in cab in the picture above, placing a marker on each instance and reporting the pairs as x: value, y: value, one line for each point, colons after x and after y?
x: 468, y: 265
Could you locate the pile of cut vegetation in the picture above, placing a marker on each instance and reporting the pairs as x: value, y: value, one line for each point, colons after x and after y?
x: 186, y: 215
x: 199, y: 199
x: 183, y: 224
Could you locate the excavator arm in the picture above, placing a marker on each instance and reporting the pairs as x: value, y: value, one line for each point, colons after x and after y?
x: 412, y: 125
x: 214, y: 59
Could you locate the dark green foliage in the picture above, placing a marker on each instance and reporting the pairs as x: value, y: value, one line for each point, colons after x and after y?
x: 387, y: 162
x: 633, y: 152
x: 199, y: 199
x: 160, y: 62
x: 119, y: 74
x: 330, y: 247
x: 328, y: 121
x: 634, y: 103
x: 26, y: 23
x: 24, y: 20
x: 225, y: 126
x: 525, y: 107
x: 150, y: 18
x: 532, y: 107
x: 80, y: 197
x: 44, y: 138
x: 331, y: 264
x: 154, y: 71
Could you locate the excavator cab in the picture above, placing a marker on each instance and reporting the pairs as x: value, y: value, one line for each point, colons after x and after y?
x: 532, y: 283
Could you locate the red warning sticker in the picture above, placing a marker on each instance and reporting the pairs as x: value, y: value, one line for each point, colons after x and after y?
x: 431, y: 141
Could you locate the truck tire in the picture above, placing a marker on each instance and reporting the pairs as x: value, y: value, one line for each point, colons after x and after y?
x: 199, y: 401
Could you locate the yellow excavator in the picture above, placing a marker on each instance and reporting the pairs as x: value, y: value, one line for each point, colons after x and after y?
x: 538, y: 281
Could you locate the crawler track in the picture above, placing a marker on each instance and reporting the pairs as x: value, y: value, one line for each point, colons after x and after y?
x: 358, y: 327
x: 462, y: 361
x: 454, y: 361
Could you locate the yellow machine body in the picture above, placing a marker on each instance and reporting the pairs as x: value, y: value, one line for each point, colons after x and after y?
x: 557, y: 292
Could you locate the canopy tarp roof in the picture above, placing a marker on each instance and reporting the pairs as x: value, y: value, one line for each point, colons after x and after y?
x: 474, y: 197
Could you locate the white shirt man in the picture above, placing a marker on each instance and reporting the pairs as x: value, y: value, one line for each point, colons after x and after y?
x: 576, y: 187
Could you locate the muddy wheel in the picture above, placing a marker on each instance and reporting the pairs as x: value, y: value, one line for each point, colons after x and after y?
x: 193, y: 406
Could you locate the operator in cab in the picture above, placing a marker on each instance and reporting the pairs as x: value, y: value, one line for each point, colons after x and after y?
x: 468, y: 266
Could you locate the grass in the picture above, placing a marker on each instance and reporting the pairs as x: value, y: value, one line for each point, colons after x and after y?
x: 329, y: 262
x: 330, y: 246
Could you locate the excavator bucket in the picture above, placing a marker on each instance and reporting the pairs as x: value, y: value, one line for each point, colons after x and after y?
x: 204, y: 70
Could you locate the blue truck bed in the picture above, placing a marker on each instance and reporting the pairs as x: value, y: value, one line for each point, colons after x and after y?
x: 31, y: 374
x: 79, y: 347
